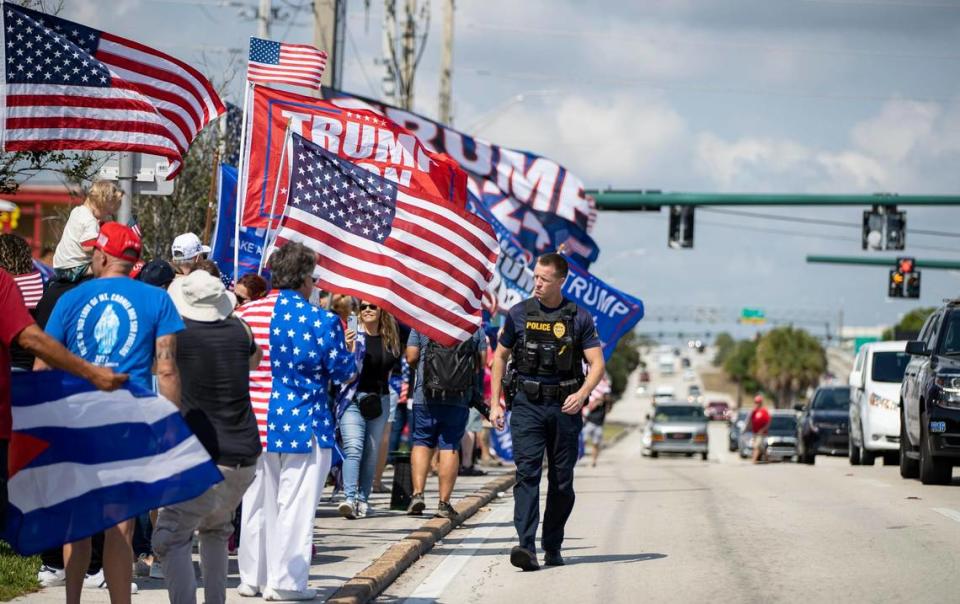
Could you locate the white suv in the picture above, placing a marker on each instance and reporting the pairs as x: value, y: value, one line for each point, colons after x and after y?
x: 874, y: 402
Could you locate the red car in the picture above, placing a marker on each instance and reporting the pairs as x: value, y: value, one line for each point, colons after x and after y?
x: 718, y: 410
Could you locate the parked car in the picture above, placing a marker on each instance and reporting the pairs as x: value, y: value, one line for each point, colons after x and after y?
x: 930, y: 399
x: 676, y: 428
x: 781, y: 440
x: 718, y: 410
x: 736, y: 427
x: 664, y: 394
x: 874, y: 402
x: 823, y: 424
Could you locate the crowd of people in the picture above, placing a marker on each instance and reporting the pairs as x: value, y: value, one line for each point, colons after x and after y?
x: 291, y: 390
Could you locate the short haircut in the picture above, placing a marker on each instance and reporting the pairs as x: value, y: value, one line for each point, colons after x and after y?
x: 205, y: 264
x: 291, y: 264
x: 557, y: 261
x: 105, y: 195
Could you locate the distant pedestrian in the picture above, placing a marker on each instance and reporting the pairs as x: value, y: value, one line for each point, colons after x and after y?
x: 594, y: 419
x: 759, y: 425
x: 214, y: 355
x: 250, y: 287
x: 187, y: 250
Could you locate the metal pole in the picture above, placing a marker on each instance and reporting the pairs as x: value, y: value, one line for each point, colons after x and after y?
x: 241, y: 180
x: 408, y: 55
x: 264, y: 16
x: 389, y: 82
x: 276, y: 191
x: 446, y: 65
x: 125, y: 178
x: 645, y: 200
x: 885, y: 262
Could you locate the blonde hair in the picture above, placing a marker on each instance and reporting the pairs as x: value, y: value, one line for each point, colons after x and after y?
x: 104, y: 195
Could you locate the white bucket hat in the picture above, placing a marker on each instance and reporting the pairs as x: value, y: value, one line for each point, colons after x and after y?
x: 202, y: 297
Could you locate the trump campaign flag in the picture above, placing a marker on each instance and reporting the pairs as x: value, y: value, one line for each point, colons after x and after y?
x: 521, y: 188
x: 614, y: 311
x: 423, y: 259
x: 251, y: 239
x: 82, y: 460
x: 68, y: 86
x: 359, y: 136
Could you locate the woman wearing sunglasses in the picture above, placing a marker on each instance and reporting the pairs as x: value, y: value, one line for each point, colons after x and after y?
x: 362, y: 421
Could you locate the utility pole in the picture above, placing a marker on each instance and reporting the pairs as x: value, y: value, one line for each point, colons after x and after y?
x: 329, y: 21
x: 264, y: 15
x: 408, y: 52
x: 125, y: 178
x: 446, y: 65
x: 389, y: 81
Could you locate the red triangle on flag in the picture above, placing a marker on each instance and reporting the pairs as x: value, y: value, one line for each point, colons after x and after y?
x: 23, y: 449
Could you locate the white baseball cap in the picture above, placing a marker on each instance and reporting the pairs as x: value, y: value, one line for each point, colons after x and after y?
x: 202, y: 297
x: 188, y: 247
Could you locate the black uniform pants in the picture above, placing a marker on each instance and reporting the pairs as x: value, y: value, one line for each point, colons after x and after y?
x: 539, y: 427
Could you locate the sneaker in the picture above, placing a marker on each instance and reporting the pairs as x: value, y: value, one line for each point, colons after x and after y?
x: 363, y: 509
x: 141, y: 568
x: 471, y: 471
x: 416, y: 505
x: 51, y: 577
x: 97, y: 581
x: 156, y: 570
x: 348, y: 509
x: 445, y: 510
x: 248, y: 591
x: 288, y: 595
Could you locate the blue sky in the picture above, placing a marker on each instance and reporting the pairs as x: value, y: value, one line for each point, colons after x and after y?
x: 841, y: 96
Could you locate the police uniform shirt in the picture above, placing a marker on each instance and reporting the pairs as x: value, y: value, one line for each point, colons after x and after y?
x: 584, y: 331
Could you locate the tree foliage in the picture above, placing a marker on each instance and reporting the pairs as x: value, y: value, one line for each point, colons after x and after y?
x: 625, y: 358
x: 788, y: 361
x: 740, y: 364
x: 724, y: 344
x: 910, y: 323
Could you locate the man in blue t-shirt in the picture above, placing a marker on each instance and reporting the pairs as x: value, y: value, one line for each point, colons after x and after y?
x: 117, y: 322
x: 549, y: 339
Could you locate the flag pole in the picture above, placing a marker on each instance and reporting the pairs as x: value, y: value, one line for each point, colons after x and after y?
x: 276, y: 192
x: 211, y: 192
x: 241, y: 181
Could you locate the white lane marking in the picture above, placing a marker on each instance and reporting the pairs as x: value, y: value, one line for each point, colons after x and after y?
x: 951, y: 514
x: 434, y: 585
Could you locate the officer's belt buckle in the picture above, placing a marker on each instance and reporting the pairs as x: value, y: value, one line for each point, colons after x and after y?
x: 550, y: 391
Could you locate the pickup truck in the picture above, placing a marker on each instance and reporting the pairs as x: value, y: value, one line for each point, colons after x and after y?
x: 930, y: 399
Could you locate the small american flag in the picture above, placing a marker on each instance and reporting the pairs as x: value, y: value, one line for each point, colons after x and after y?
x: 424, y: 260
x: 72, y: 87
x: 278, y: 63
x: 31, y: 287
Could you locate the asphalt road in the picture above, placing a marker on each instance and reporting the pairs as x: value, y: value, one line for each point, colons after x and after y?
x: 683, y: 530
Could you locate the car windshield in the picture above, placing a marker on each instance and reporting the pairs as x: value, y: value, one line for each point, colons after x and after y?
x: 951, y: 334
x: 889, y: 366
x: 832, y: 399
x: 783, y: 423
x: 678, y: 413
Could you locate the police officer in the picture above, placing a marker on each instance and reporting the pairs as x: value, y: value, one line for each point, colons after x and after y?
x: 548, y: 337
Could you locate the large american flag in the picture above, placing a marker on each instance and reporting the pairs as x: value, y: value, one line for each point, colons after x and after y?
x: 278, y: 63
x: 72, y: 87
x: 424, y: 260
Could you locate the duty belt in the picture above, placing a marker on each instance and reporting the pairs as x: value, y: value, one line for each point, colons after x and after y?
x: 542, y: 393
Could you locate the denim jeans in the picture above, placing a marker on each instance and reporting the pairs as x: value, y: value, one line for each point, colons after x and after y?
x: 361, y: 445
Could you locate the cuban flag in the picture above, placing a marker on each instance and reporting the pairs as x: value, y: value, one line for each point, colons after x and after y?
x: 82, y: 460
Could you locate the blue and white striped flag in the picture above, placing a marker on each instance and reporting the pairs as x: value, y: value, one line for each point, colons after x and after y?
x: 82, y: 460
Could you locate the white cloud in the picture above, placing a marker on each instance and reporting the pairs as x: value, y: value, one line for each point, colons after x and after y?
x: 897, y: 130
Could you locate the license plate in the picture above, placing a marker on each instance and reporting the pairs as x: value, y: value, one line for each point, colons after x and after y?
x: 679, y: 436
x: 938, y: 427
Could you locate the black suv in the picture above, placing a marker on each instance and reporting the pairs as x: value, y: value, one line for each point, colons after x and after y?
x: 930, y: 400
x: 823, y: 426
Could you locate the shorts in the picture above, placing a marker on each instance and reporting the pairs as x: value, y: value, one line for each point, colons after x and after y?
x: 760, y: 441
x: 592, y: 433
x: 439, y: 426
x: 474, y: 421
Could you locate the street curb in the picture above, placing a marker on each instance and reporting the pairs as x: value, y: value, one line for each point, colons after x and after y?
x: 371, y: 581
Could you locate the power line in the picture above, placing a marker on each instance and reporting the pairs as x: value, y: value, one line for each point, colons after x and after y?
x: 822, y: 221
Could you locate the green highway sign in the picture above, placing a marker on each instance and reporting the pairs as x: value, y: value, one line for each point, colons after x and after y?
x: 754, y: 316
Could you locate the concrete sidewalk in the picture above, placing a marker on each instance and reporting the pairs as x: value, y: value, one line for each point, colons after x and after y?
x: 346, y: 549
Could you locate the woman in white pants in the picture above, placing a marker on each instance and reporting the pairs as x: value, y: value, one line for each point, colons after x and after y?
x: 308, y: 351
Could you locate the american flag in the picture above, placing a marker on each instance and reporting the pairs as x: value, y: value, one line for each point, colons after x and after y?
x: 258, y: 315
x: 278, y: 63
x: 73, y: 87
x: 424, y: 260
x: 31, y: 287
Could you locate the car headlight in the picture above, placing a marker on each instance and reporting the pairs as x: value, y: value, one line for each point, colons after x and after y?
x: 950, y: 388
x: 881, y: 403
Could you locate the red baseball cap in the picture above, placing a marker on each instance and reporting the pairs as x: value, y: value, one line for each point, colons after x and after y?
x: 119, y: 241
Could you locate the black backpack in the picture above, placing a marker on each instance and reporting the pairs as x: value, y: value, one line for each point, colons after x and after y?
x: 449, y: 371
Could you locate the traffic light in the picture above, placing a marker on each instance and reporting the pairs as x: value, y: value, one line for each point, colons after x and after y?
x: 912, y: 289
x: 884, y: 228
x: 681, y: 227
x: 895, y: 285
x: 905, y: 265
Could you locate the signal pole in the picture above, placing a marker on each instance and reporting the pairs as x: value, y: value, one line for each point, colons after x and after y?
x: 264, y: 15
x: 389, y: 82
x: 408, y: 67
x: 329, y: 21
